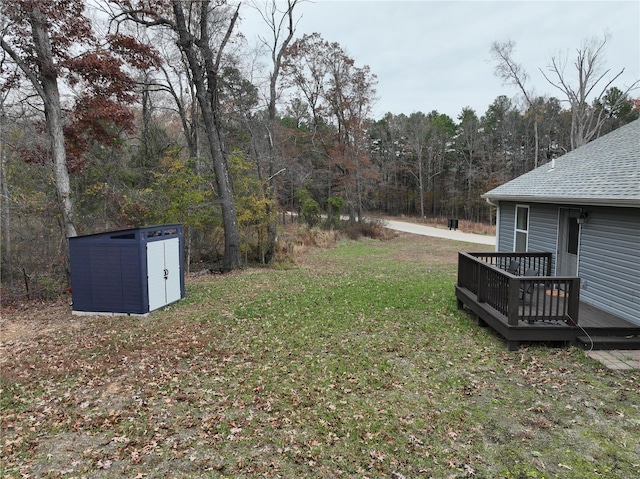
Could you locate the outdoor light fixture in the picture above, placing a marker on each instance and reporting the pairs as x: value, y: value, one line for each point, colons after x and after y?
x: 583, y: 217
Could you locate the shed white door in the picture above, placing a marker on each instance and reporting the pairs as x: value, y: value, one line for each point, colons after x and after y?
x: 163, y: 270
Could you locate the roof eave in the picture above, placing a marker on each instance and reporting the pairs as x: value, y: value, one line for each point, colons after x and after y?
x: 564, y: 200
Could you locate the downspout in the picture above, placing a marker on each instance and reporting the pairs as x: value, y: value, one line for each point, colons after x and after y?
x: 497, y: 205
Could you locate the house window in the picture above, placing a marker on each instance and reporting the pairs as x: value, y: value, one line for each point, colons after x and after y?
x: 521, y: 239
x: 573, y: 236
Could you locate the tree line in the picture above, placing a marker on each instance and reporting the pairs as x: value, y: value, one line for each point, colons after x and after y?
x: 156, y: 111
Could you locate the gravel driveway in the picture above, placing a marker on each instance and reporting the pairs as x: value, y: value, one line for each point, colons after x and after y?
x: 424, y: 230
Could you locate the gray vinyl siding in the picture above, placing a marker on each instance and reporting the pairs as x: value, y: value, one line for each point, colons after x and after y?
x: 610, y: 261
x: 507, y: 225
x: 609, y: 252
x: 543, y: 225
x: 543, y: 229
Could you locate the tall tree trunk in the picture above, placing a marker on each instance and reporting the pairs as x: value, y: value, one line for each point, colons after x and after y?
x: 536, y: 139
x: 205, y: 80
x: 277, y: 51
x: 53, y: 115
x: 272, y: 188
x: 358, y: 186
x: 421, y: 184
x: 5, y: 207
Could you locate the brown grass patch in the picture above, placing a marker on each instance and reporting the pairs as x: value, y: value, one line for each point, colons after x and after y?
x: 373, y: 230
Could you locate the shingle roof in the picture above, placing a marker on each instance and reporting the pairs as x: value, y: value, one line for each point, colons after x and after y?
x: 605, y: 171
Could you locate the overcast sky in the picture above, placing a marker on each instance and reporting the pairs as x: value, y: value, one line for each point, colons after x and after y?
x: 435, y: 55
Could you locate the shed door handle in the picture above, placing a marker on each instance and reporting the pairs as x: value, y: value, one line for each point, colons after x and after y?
x: 166, y: 273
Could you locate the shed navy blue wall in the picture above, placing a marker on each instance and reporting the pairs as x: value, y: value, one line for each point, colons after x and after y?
x: 109, y: 270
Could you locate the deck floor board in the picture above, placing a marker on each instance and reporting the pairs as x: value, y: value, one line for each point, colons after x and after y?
x: 591, y: 319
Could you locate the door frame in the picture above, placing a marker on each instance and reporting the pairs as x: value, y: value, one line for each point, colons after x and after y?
x: 566, y: 264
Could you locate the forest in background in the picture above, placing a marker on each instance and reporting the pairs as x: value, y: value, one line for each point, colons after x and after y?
x: 147, y: 112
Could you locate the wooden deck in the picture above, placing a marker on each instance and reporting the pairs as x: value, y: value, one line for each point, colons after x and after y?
x: 548, y: 311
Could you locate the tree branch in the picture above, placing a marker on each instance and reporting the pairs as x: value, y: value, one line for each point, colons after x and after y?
x: 226, y: 38
x: 33, y: 78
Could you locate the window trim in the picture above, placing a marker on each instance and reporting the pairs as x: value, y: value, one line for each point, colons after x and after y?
x: 516, y: 230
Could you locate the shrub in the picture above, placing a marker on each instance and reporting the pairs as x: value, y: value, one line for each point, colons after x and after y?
x: 309, y: 208
x: 369, y: 229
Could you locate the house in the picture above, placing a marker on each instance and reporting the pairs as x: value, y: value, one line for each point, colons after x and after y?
x: 583, y: 211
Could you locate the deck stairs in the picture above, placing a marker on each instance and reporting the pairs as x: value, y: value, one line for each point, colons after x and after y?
x: 594, y: 343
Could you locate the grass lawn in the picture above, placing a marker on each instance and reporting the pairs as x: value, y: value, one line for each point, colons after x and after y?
x: 352, y: 363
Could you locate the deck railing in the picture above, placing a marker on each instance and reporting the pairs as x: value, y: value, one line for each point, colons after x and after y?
x: 541, y: 262
x: 542, y: 297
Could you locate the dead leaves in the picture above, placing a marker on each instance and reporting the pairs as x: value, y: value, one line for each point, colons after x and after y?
x: 376, y: 392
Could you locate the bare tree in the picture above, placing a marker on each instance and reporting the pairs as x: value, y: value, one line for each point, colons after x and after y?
x: 179, y: 87
x: 281, y: 29
x: 469, y: 145
x: 418, y: 127
x: 586, y: 120
x: 513, y: 73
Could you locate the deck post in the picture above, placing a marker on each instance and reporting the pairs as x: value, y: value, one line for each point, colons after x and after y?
x: 552, y: 310
x: 482, y: 284
x: 513, y: 299
x: 574, y: 301
x: 548, y: 264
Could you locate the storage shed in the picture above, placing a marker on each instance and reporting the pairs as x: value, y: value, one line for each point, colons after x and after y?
x: 131, y: 271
